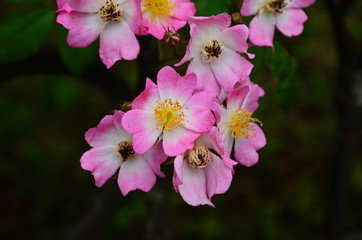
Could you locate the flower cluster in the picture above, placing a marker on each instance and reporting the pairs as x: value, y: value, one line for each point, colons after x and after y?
x: 203, y: 121
x: 117, y: 22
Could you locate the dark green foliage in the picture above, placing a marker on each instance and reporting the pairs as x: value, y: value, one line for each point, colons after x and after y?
x: 23, y: 34
x: 284, y: 74
x: 44, y: 191
x: 212, y: 7
x: 75, y: 59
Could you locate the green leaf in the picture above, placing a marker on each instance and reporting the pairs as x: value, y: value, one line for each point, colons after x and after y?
x: 22, y: 35
x: 283, y: 68
x: 258, y: 60
x: 212, y: 7
x: 75, y: 59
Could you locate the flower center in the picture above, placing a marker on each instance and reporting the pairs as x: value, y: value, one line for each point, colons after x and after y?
x: 240, y: 124
x: 160, y: 8
x: 110, y: 11
x: 125, y: 150
x: 275, y: 6
x: 169, y: 114
x: 211, y: 50
x: 198, y: 157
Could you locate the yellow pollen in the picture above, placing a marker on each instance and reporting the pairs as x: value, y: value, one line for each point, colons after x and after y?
x: 159, y: 8
x: 240, y: 124
x: 169, y: 115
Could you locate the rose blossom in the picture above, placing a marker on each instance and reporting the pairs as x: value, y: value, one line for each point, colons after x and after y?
x: 112, y: 150
x: 169, y: 111
x: 286, y: 15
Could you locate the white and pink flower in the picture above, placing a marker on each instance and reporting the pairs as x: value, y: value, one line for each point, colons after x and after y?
x: 169, y: 111
x: 115, y: 22
x: 162, y: 15
x: 204, y: 170
x: 214, y: 51
x: 286, y: 15
x: 112, y: 150
x: 237, y: 126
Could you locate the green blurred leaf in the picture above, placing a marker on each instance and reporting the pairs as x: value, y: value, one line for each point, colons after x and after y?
x: 22, y: 35
x: 212, y: 7
x: 283, y: 68
x: 257, y: 61
x: 75, y: 59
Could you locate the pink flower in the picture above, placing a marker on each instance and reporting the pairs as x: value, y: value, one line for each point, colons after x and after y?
x: 114, y: 21
x: 112, y: 150
x: 214, y: 49
x: 237, y: 126
x: 200, y: 173
x: 286, y: 15
x: 169, y: 111
x: 162, y: 15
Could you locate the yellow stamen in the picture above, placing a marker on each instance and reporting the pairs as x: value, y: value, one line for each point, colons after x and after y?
x: 169, y: 115
x: 240, y: 124
x: 159, y: 8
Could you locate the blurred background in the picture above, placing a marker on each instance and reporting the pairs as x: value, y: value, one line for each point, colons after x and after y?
x: 307, y: 184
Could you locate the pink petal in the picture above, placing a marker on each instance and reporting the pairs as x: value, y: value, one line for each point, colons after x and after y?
x: 61, y: 3
x: 291, y: 21
x: 245, y: 149
x: 230, y: 68
x: 262, y: 29
x: 221, y: 21
x: 155, y: 157
x: 184, y: 9
x: 84, y: 28
x: 251, y: 101
x: 228, y: 141
x: 218, y: 176
x: 235, y: 38
x: 211, y: 140
x: 180, y: 13
x: 142, y: 126
x: 64, y: 7
x: 191, y: 46
x: 251, y: 7
x: 178, y: 140
x: 205, y: 78
x: 106, y: 134
x: 117, y: 120
x: 193, y: 188
x: 236, y: 98
x: 135, y: 173
x: 217, y: 108
x: 177, y: 174
x: 154, y: 27
x: 172, y: 85
x: 118, y: 41
x: 86, y: 6
x: 133, y: 16
x: 222, y: 96
x: 102, y: 162
x: 147, y: 100
x: 198, y: 115
x: 300, y: 3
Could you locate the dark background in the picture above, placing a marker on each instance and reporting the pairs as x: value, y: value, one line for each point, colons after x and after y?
x: 307, y: 185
